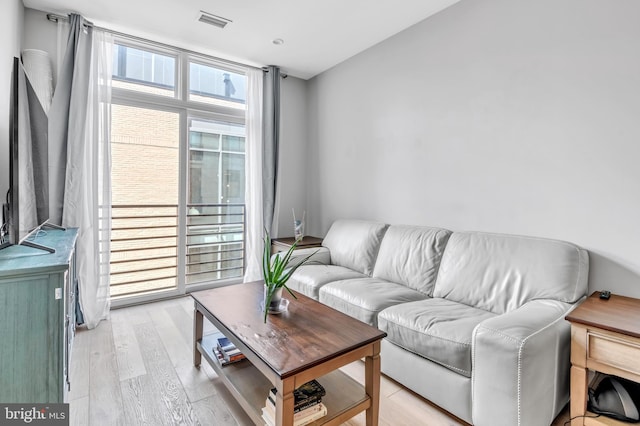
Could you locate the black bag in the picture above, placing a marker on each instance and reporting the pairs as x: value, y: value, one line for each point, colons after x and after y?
x: 615, y: 397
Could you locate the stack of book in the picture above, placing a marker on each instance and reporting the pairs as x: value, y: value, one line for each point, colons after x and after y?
x: 226, y: 351
x: 307, y: 405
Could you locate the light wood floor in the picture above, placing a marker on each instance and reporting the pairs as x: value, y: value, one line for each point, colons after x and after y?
x: 136, y: 369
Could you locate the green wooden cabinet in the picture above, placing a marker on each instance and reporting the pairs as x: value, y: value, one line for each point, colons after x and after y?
x: 37, y: 318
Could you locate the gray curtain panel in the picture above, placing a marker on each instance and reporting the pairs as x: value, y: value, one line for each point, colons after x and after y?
x: 271, y: 139
x: 67, y: 116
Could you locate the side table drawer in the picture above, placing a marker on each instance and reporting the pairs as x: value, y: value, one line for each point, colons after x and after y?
x: 608, y: 350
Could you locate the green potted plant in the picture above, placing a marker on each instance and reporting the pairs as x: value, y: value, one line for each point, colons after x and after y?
x: 276, y: 272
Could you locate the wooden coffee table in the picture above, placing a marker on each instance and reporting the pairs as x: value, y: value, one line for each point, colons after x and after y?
x: 308, y: 341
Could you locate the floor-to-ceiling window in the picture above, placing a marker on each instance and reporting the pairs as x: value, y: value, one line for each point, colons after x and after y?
x: 178, y: 157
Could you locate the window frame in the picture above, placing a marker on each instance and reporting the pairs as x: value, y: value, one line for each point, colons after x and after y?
x: 154, y: 49
x: 201, y: 60
x: 188, y: 110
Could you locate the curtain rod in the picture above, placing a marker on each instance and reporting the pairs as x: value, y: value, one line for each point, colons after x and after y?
x: 55, y: 18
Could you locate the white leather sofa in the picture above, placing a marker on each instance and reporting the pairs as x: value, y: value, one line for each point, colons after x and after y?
x: 474, y: 321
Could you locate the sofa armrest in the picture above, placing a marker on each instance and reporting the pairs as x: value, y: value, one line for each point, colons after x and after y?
x: 521, y: 363
x: 320, y: 256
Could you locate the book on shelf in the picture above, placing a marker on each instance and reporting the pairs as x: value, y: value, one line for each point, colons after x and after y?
x: 307, y: 405
x: 310, y: 389
x: 224, y: 344
x: 300, y: 418
x: 305, y: 395
x: 226, y: 352
x: 311, y: 409
x: 227, y: 360
x: 233, y: 355
x: 302, y: 405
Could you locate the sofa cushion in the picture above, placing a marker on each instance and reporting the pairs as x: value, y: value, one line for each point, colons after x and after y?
x: 411, y: 255
x: 500, y: 273
x: 364, y: 298
x: 308, y: 279
x: 354, y: 244
x: 437, y: 329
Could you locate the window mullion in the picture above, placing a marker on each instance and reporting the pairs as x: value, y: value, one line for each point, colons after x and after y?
x: 182, y: 84
x: 182, y: 201
x: 194, y: 108
x: 220, y: 170
x: 183, y: 77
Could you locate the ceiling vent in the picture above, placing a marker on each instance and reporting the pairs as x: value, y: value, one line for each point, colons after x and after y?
x: 216, y: 21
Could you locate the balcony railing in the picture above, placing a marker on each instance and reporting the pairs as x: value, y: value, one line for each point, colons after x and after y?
x: 215, y: 242
x: 144, y: 246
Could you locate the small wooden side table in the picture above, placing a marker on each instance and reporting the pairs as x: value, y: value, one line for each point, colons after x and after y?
x: 283, y: 244
x: 605, y: 337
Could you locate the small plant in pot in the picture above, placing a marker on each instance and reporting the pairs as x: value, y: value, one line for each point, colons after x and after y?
x: 276, y: 272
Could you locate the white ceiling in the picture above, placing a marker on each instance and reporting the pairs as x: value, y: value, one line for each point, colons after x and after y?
x: 317, y: 35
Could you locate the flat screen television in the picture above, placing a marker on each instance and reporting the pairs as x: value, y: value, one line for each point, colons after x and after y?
x: 10, y: 210
x: 27, y: 201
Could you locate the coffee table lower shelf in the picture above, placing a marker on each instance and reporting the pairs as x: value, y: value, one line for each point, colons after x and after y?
x: 344, y: 399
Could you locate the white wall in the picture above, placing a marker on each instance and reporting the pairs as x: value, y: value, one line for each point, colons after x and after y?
x: 497, y: 115
x: 292, y: 179
x: 41, y: 34
x: 11, y: 20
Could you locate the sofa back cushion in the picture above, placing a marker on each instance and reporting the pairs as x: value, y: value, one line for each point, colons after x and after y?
x: 354, y: 244
x: 499, y: 273
x: 411, y: 255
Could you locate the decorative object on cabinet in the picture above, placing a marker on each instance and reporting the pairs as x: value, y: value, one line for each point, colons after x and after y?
x: 298, y: 225
x: 37, y: 66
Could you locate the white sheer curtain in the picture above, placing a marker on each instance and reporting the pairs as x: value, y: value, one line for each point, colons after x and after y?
x: 87, y: 195
x: 253, y: 175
